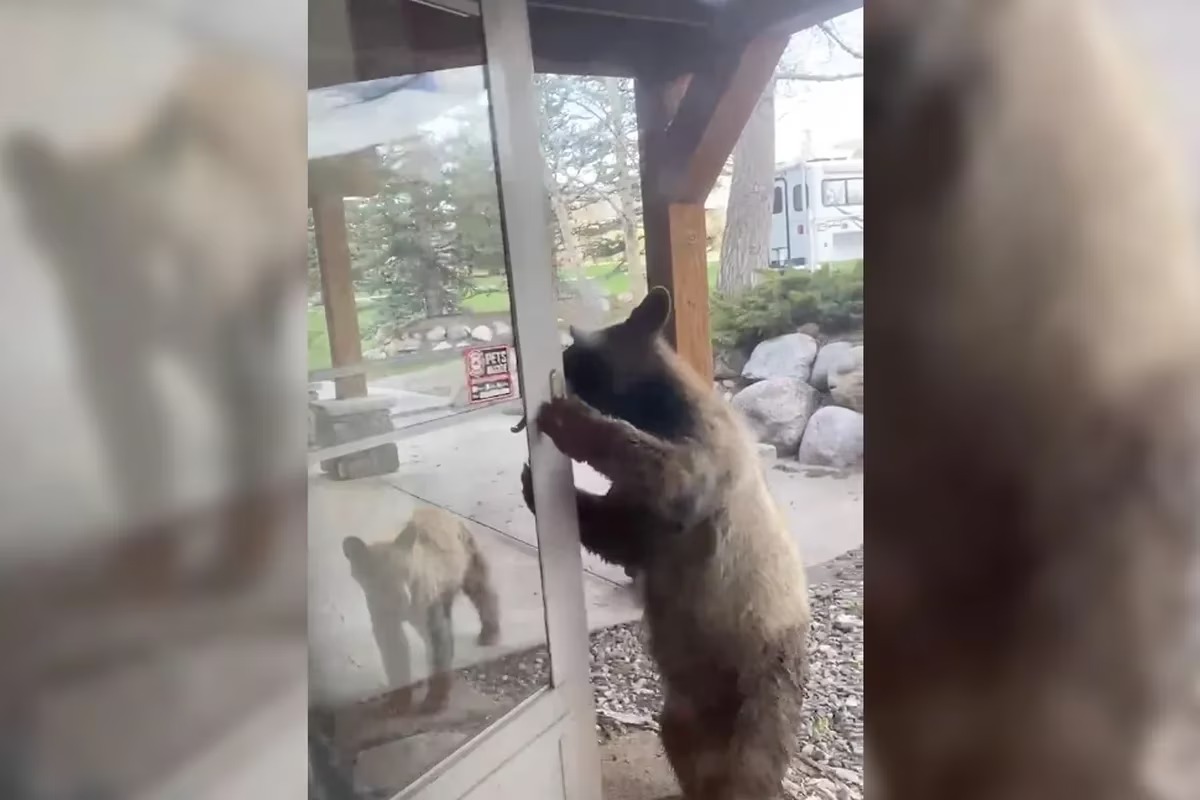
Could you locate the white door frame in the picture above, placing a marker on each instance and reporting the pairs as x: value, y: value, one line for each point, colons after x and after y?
x: 565, y: 708
x: 519, y: 161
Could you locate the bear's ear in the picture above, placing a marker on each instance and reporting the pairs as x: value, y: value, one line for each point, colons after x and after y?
x: 649, y: 318
x: 355, y: 549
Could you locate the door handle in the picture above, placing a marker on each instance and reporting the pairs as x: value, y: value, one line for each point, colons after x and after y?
x: 558, y: 390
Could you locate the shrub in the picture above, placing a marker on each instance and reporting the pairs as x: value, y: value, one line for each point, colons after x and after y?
x: 830, y: 297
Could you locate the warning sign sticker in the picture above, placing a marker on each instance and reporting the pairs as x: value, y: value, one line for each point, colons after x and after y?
x: 489, y: 374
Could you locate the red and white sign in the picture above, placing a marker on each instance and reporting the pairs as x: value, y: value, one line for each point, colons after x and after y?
x: 489, y: 374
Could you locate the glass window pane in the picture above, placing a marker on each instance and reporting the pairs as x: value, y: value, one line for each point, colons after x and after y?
x: 833, y: 193
x: 426, y: 615
x: 854, y: 192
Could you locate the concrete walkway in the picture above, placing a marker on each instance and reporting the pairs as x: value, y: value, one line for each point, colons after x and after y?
x: 473, y: 469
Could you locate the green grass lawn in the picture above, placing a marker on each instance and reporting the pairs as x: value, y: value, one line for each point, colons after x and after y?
x: 318, y: 333
x: 491, y: 296
x: 493, y: 290
x: 318, y: 339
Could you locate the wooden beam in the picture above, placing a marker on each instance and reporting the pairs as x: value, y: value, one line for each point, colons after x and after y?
x: 688, y: 12
x: 712, y: 114
x: 676, y: 239
x: 337, y: 292
x: 354, y: 174
x: 387, y: 38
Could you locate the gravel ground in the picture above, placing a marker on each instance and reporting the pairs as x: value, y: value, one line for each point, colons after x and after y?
x: 629, y: 693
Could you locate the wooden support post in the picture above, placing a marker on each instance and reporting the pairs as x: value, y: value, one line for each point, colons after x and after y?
x: 676, y: 240
x: 687, y: 129
x: 337, y: 292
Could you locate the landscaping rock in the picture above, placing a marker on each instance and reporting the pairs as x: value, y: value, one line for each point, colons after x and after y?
x: 833, y: 438
x: 502, y: 328
x: 456, y: 333
x: 722, y: 391
x: 397, y: 346
x: 777, y: 409
x: 811, y: 328
x: 788, y: 356
x: 846, y: 381
x: 847, y: 392
x: 443, y: 346
x: 482, y: 333
x: 728, y: 364
x: 435, y: 334
x: 831, y: 357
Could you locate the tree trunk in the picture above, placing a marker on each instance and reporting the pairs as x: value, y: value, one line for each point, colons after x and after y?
x: 572, y: 259
x: 746, y: 243
x: 435, y: 304
x: 627, y: 192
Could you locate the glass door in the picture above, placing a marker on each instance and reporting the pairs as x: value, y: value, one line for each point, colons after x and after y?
x: 447, y: 632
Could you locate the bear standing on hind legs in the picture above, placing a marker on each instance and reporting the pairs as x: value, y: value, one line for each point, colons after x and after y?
x: 724, y: 586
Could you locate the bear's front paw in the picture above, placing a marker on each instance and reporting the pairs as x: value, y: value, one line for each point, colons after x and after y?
x: 576, y: 430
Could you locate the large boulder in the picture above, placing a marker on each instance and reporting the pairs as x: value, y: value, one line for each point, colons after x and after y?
x: 829, y: 359
x: 833, y: 438
x: 777, y: 410
x: 788, y: 356
x: 846, y: 381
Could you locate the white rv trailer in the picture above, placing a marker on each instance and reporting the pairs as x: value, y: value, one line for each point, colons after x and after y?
x: 817, y: 213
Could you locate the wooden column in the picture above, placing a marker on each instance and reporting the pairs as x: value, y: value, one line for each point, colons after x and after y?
x: 676, y: 238
x: 687, y: 129
x: 337, y: 292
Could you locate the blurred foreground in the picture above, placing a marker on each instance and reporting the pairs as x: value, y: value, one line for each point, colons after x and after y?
x: 152, y: 193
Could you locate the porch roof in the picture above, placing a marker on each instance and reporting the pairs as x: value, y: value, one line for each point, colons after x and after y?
x: 652, y: 39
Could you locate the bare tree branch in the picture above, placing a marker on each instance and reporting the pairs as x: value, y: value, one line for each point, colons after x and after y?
x: 789, y: 75
x: 837, y: 39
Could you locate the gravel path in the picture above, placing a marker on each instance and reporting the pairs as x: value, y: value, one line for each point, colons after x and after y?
x: 629, y: 693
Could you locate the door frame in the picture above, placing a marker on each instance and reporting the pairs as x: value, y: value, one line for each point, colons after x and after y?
x: 519, y: 162
x: 565, y: 707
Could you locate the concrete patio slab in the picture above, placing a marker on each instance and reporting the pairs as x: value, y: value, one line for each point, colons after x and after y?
x: 473, y: 470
